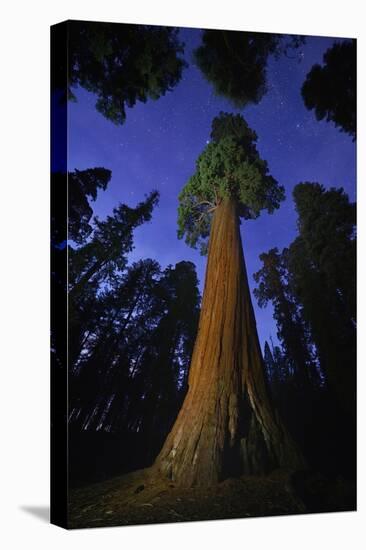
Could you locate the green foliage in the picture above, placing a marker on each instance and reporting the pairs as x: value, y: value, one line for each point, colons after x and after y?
x: 123, y: 64
x: 235, y: 62
x: 227, y: 124
x: 229, y: 166
x: 331, y: 89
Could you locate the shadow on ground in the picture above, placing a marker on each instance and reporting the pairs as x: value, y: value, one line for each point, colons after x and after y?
x: 40, y: 512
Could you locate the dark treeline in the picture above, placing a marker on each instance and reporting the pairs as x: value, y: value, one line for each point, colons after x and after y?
x: 312, y: 287
x: 131, y: 332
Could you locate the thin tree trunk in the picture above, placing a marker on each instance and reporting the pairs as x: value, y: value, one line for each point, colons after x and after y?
x: 227, y: 425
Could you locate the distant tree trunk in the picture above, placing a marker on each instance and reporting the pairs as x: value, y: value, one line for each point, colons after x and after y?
x: 227, y: 425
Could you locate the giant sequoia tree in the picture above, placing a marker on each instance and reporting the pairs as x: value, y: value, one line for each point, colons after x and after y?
x: 227, y: 424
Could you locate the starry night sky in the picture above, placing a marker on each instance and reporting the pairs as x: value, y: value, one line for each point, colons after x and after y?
x: 160, y: 141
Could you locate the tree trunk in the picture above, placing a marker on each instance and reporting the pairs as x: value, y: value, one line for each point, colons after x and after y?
x: 227, y: 425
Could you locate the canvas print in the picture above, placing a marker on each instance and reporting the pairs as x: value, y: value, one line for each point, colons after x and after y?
x: 203, y: 274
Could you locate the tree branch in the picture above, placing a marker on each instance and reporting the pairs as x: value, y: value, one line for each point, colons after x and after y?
x: 203, y: 202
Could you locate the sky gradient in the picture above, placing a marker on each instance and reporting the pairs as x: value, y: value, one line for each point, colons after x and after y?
x: 157, y: 146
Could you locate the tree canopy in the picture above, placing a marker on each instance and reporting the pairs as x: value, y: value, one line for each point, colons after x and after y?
x: 312, y: 286
x: 235, y: 62
x: 331, y: 89
x: 274, y: 286
x: 83, y: 184
x: 123, y: 64
x: 327, y: 222
x: 322, y: 262
x: 229, y: 166
x: 111, y: 241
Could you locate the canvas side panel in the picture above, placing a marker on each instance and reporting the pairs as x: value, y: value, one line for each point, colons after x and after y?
x: 59, y: 394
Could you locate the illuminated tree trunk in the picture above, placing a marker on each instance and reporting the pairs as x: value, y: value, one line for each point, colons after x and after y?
x: 227, y: 425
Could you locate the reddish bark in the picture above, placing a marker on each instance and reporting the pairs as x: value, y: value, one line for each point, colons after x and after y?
x: 227, y: 425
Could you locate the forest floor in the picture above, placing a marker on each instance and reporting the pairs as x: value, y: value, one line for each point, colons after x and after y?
x: 141, y: 497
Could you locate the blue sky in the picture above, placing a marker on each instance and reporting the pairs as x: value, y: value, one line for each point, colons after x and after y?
x: 160, y: 141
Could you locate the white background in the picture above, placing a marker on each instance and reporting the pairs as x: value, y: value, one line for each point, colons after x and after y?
x: 24, y: 285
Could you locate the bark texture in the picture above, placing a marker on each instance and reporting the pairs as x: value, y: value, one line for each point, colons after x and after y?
x: 227, y: 425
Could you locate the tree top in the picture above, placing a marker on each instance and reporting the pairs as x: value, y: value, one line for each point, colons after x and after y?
x: 229, y: 167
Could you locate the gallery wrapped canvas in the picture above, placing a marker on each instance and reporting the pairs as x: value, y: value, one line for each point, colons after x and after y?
x: 203, y: 246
